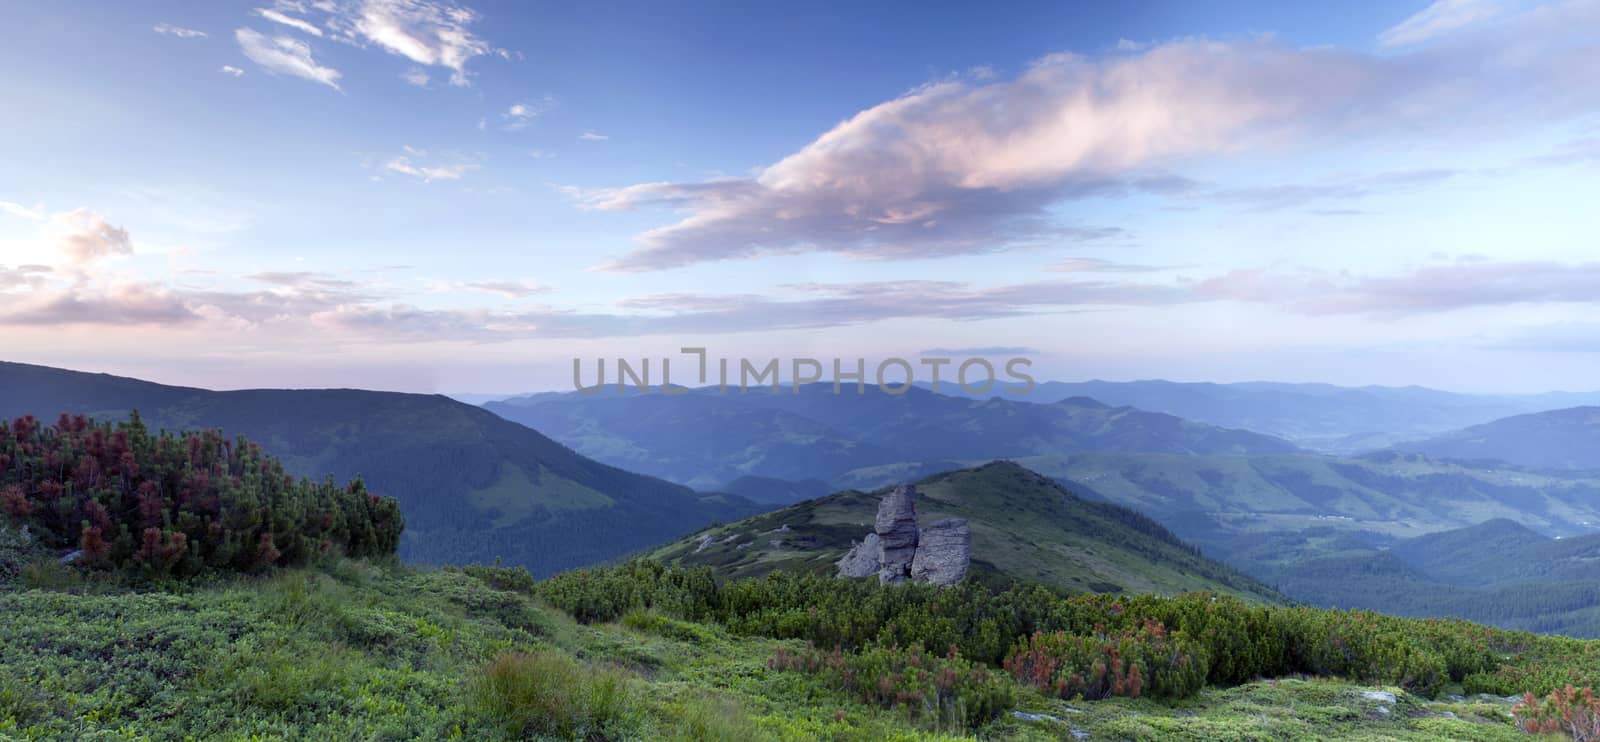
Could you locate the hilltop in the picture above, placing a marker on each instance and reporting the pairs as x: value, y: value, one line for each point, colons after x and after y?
x: 1024, y: 527
x: 1567, y: 439
x: 472, y: 486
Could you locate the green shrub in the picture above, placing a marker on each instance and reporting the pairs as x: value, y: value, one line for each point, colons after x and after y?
x: 942, y: 692
x: 549, y: 693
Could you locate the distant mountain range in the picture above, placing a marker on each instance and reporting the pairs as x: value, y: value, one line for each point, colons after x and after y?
x: 1498, y: 572
x: 1322, y: 417
x: 1024, y: 526
x: 706, y: 438
x: 1557, y: 439
x: 472, y: 486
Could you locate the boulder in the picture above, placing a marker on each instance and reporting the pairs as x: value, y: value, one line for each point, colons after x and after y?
x: 863, y: 558
x: 896, y: 527
x: 944, y: 549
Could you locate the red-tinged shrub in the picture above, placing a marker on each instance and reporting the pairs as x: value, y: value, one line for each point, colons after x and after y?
x: 15, y: 503
x: 944, y: 692
x: 1133, y: 662
x: 1573, y: 712
x: 179, y: 503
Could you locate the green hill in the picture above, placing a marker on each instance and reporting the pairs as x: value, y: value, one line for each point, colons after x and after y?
x: 472, y: 486
x: 1024, y: 526
x: 1557, y: 439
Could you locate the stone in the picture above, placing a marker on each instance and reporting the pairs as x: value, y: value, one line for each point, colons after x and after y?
x: 863, y: 558
x: 1378, y: 695
x: 704, y: 542
x: 944, y: 549
x: 896, y: 527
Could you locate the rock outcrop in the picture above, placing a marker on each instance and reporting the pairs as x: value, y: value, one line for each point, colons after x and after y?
x: 897, y: 550
x: 896, y: 527
x: 944, y: 549
x: 862, y: 559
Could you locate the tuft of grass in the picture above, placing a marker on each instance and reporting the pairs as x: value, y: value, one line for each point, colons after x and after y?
x: 548, y: 693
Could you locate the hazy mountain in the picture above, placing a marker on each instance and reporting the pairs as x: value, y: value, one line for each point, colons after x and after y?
x: 707, y: 438
x: 1323, y: 417
x: 1557, y: 439
x: 775, y: 491
x: 1496, y: 572
x: 1024, y: 525
x: 472, y: 486
x: 1229, y: 504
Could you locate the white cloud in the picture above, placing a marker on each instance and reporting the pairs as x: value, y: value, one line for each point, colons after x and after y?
x: 968, y: 166
x: 416, y: 76
x: 519, y: 115
x: 178, y: 31
x: 427, y: 32
x: 285, y: 54
x: 18, y: 210
x: 508, y: 289
x: 1442, y: 17
x: 411, y: 163
x: 288, y: 20
x: 229, y: 69
x: 593, y: 136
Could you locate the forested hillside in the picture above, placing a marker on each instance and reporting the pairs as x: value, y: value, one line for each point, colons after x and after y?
x: 472, y: 486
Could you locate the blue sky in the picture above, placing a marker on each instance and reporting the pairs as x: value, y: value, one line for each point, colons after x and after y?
x: 424, y: 195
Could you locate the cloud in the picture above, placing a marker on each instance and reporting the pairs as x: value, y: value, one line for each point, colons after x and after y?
x: 1442, y: 17
x: 229, y: 69
x: 973, y: 166
x: 168, y: 29
x: 509, y: 289
x: 429, y: 33
x: 285, y: 54
x: 1428, y: 289
x: 404, y: 165
x: 519, y: 115
x: 23, y: 277
x: 593, y: 136
x: 126, y: 304
x: 22, y: 212
x: 288, y: 20
x: 84, y: 237
x: 416, y: 76
x: 1291, y: 195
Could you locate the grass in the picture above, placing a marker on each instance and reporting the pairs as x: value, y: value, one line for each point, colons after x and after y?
x: 356, y: 650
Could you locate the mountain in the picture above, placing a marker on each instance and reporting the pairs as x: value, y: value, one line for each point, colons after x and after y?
x: 1497, y: 572
x: 1557, y: 439
x: 1263, y: 513
x: 1024, y: 526
x: 1323, y: 417
x: 472, y: 486
x: 776, y: 491
x: 705, y: 438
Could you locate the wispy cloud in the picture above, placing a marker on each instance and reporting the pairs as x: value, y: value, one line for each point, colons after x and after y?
x: 231, y: 71
x: 428, y: 32
x: 968, y: 166
x: 168, y: 29
x: 1440, y: 18
x: 416, y: 76
x: 508, y: 289
x: 286, y: 55
x: 519, y: 115
x: 413, y: 163
x: 289, y: 20
x: 18, y: 210
x: 593, y: 136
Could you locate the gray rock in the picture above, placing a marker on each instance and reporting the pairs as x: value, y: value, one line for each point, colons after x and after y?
x: 72, y: 557
x: 863, y: 558
x: 704, y: 542
x: 1378, y: 695
x: 944, y: 549
x: 896, y: 527
x: 1025, y: 716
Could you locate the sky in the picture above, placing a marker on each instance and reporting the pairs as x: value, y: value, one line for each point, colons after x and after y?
x: 421, y: 195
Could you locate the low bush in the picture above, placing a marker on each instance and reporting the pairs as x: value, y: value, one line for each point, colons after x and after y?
x: 942, y: 692
x: 1574, y: 712
x: 1146, y: 661
x: 549, y: 693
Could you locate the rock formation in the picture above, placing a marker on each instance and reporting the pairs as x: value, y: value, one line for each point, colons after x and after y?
x: 897, y: 550
x: 896, y: 527
x: 944, y: 549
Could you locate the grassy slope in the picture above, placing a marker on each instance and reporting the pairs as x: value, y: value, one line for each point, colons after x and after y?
x: 1024, y: 526
x: 1556, y: 439
x: 472, y: 486
x: 359, y: 651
